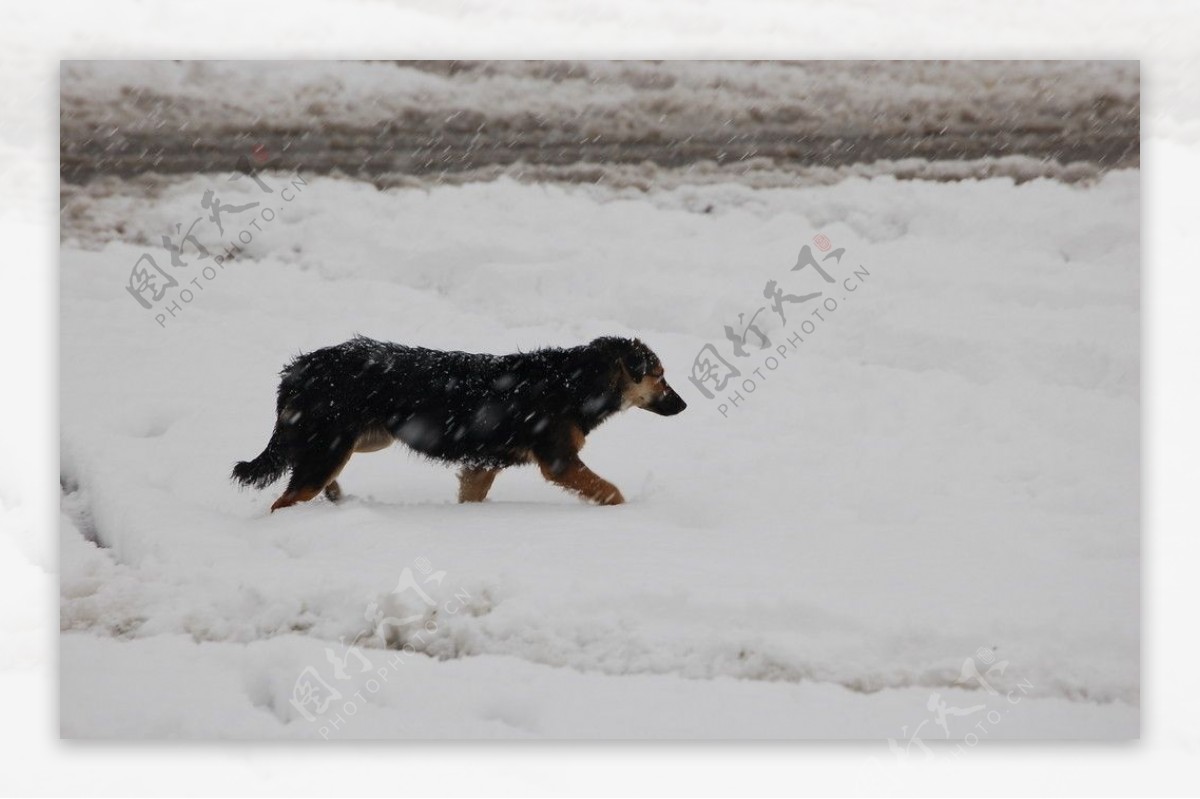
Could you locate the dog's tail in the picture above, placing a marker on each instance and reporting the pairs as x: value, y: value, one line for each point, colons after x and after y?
x: 268, y: 467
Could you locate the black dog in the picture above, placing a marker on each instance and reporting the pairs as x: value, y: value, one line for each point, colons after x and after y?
x: 484, y: 412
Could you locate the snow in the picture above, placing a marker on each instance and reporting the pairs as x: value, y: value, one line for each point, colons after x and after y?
x: 245, y: 692
x: 646, y: 125
x: 598, y: 98
x: 944, y: 471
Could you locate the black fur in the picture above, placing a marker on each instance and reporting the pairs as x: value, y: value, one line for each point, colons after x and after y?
x: 480, y: 411
x: 268, y: 467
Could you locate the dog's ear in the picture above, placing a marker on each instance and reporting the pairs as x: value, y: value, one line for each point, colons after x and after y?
x: 635, y: 360
x: 630, y: 354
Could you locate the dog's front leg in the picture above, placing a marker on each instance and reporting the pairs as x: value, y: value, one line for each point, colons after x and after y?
x: 572, y: 474
x: 474, y: 484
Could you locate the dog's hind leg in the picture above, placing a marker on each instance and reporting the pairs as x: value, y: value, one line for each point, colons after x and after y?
x: 474, y: 484
x: 315, y: 470
x: 333, y: 491
x: 370, y: 440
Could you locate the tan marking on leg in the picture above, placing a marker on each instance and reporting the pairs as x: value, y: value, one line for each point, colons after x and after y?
x: 290, y: 498
x: 333, y: 491
x: 474, y: 484
x: 574, y: 475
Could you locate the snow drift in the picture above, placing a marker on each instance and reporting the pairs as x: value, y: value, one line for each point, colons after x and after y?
x: 944, y: 470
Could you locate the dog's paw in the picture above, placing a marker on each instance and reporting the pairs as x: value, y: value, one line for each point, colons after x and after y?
x: 611, y: 498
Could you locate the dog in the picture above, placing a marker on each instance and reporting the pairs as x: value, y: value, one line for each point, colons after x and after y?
x: 484, y: 413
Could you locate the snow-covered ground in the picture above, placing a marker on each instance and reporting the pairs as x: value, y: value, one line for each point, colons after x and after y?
x: 921, y: 524
x: 762, y: 123
x: 667, y: 97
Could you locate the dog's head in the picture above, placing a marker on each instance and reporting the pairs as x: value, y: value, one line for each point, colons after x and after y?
x: 639, y: 375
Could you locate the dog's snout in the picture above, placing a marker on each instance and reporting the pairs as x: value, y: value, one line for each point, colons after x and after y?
x: 670, y: 403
